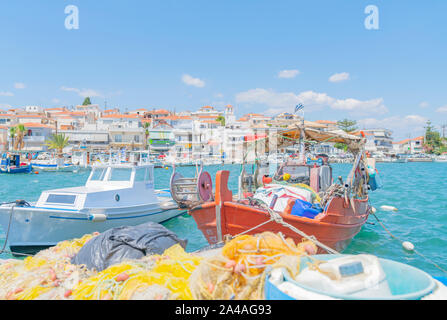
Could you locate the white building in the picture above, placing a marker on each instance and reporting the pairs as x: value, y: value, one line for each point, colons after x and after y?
x: 409, y: 146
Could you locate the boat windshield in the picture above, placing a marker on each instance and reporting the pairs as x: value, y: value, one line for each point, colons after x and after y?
x: 120, y: 174
x: 98, y: 174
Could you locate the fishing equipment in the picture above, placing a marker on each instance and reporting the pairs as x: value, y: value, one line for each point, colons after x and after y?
x: 239, y: 271
x: 189, y: 191
x: 152, y: 277
x: 351, y: 277
x: 47, y: 275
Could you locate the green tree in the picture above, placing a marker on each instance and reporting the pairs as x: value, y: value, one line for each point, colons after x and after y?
x: 86, y: 101
x: 146, y: 126
x: 19, y: 142
x: 347, y: 126
x: 57, y: 142
x: 221, y: 119
x: 433, y: 142
x: 12, y: 134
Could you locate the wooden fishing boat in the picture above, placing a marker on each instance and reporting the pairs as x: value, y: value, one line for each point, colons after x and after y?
x: 346, y: 206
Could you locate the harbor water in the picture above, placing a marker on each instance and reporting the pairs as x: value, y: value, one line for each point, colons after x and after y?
x: 418, y: 190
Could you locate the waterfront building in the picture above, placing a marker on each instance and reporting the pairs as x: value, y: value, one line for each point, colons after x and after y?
x: 3, y: 138
x: 36, y: 135
x: 409, y: 146
x: 161, y: 138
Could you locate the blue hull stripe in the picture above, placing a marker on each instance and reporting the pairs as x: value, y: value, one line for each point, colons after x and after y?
x: 108, y: 217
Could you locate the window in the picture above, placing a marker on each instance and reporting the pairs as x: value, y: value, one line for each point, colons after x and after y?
x: 61, y: 198
x: 98, y: 174
x: 118, y: 138
x: 140, y: 174
x: 120, y: 174
x: 137, y: 139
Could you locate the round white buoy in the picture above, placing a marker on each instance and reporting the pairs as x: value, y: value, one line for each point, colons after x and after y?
x: 388, y: 208
x: 373, y: 210
x: 408, y: 245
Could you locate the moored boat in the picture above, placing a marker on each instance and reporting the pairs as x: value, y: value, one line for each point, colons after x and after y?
x: 344, y: 206
x: 11, y: 163
x: 113, y: 196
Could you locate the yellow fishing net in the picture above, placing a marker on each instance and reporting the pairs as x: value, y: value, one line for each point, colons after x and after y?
x: 235, y: 272
x: 47, y: 275
x: 143, y: 279
x: 238, y: 273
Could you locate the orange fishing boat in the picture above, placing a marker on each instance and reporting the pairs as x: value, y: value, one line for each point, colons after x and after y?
x: 344, y: 205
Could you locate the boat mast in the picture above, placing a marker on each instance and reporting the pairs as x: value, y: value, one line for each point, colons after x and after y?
x: 302, y: 149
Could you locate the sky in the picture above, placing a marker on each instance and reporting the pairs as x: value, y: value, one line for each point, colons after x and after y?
x: 384, y: 68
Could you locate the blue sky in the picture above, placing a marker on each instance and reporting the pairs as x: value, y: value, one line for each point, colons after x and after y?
x: 185, y: 54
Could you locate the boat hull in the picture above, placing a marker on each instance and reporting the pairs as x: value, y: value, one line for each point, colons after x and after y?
x: 33, y: 227
x: 335, y: 227
x: 21, y: 169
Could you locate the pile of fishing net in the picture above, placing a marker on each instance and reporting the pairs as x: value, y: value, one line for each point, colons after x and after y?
x: 237, y: 271
x: 47, y: 275
x: 152, y: 277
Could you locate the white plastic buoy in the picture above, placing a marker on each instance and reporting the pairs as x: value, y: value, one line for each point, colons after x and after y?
x: 388, y: 208
x: 97, y: 217
x: 408, y: 245
x: 373, y: 210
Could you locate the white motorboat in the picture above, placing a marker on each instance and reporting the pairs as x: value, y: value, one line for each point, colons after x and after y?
x: 442, y: 158
x: 113, y: 196
x: 46, y: 162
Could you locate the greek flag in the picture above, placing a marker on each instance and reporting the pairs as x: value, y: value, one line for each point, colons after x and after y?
x: 298, y: 107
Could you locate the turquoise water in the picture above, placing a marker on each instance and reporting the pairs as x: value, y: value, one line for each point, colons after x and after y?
x: 418, y: 190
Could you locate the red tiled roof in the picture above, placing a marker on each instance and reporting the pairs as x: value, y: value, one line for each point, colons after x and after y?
x: 326, y: 122
x: 36, y: 125
x: 408, y: 140
x: 121, y: 116
x: 175, y: 118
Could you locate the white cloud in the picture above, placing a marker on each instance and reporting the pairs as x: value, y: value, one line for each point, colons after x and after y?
x: 424, y: 104
x: 442, y: 109
x: 312, y: 101
x: 191, y: 81
x: 219, y: 95
x: 55, y: 100
x: 19, y: 85
x: 6, y: 94
x: 338, y: 77
x: 288, y: 73
x: 83, y: 92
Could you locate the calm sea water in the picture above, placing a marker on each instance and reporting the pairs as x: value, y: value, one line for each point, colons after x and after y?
x: 418, y: 190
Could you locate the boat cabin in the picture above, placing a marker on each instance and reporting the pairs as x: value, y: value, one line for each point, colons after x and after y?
x: 107, y: 187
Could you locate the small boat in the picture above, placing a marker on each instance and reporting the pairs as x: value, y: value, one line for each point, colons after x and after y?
x: 113, y: 196
x: 343, y: 210
x: 442, y: 158
x: 353, y: 277
x: 11, y: 163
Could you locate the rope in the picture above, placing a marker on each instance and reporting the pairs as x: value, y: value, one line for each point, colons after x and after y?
x: 276, y: 217
x: 414, y: 250
x: 3, y: 250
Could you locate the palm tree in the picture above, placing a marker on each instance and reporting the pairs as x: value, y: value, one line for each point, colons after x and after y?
x: 57, y: 142
x: 146, y: 126
x: 221, y: 119
x: 19, y: 141
x: 12, y: 134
